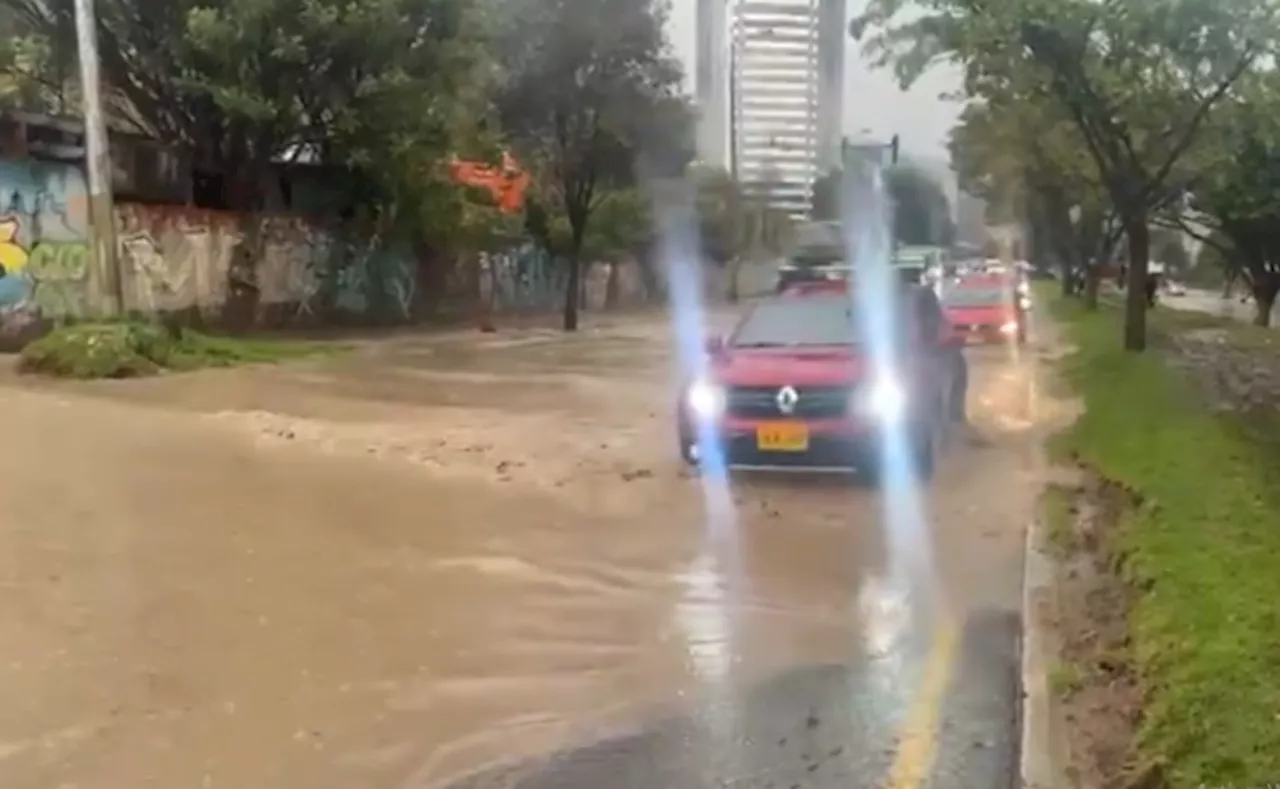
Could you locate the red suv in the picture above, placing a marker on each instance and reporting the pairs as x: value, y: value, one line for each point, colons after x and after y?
x: 793, y: 385
x: 988, y: 308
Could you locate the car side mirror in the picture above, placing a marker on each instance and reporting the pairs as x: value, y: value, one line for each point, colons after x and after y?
x: 714, y: 344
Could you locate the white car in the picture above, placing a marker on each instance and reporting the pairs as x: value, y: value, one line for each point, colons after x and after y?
x: 1175, y: 289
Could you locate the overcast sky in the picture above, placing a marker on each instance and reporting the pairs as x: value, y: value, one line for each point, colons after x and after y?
x: 872, y: 99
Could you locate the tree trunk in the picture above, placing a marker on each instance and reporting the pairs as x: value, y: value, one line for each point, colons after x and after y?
x: 572, y: 292
x: 1264, y: 298
x: 1262, y: 310
x: 1092, y: 283
x: 1135, y: 307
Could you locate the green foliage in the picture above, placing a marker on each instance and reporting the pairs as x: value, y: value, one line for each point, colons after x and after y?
x: 1137, y: 81
x: 921, y: 213
x: 1236, y: 190
x: 734, y: 224
x: 622, y: 225
x: 582, y: 79
x: 1201, y: 554
x: 587, y: 87
x: 389, y: 88
x: 129, y: 349
x: 29, y: 74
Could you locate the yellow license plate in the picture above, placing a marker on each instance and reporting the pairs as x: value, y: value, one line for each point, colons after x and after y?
x: 782, y: 437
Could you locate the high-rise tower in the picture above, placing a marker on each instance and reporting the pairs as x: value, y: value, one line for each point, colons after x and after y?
x: 786, y: 95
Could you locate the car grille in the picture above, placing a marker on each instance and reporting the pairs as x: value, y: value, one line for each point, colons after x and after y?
x: 814, y: 402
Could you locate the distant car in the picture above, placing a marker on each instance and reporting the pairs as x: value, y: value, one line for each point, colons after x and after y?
x: 988, y: 309
x: 792, y: 387
x: 792, y: 274
x: 1174, y: 288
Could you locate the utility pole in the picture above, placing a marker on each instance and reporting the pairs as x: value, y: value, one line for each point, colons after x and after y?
x: 105, y: 274
x: 893, y: 208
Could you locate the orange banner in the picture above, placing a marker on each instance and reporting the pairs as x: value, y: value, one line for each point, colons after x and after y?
x: 506, y: 183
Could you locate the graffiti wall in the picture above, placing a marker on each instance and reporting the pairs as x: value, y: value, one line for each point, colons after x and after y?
x: 176, y: 258
x: 44, y: 227
x: 527, y: 279
x: 181, y: 260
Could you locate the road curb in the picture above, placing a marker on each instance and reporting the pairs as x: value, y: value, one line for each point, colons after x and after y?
x: 1038, y: 754
x: 1042, y: 753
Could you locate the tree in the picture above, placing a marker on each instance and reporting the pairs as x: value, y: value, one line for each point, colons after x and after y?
x: 922, y: 213
x: 1234, y: 201
x: 583, y: 82
x: 245, y: 82
x: 384, y: 89
x: 1137, y: 79
x: 1027, y: 160
x: 736, y: 224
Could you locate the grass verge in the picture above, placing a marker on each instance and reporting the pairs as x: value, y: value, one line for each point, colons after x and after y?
x: 1057, y: 508
x: 128, y: 349
x: 1201, y: 554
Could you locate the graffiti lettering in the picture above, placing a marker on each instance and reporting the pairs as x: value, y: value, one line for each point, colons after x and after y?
x: 375, y: 282
x: 59, y: 261
x: 43, y: 230
x: 58, y: 275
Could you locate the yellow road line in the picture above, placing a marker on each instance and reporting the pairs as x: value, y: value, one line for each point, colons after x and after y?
x: 918, y: 743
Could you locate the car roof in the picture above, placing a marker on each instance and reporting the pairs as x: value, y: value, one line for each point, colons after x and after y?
x: 985, y: 280
x: 842, y: 287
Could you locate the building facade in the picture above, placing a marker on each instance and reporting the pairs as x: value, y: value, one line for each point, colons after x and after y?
x: 786, y: 97
x: 711, y: 82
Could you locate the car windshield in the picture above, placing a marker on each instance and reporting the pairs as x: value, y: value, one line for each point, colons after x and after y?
x: 974, y: 297
x: 816, y: 320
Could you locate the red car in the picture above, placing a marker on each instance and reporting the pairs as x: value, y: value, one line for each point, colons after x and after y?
x: 988, y: 309
x: 793, y: 386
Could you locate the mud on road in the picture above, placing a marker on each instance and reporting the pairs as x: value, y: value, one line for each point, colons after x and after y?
x: 397, y: 567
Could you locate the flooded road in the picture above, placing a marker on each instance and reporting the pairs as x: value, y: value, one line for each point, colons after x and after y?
x: 474, y: 560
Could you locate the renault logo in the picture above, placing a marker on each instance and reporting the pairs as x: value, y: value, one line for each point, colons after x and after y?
x: 787, y: 399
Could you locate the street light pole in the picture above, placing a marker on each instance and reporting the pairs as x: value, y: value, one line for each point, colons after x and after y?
x: 105, y: 274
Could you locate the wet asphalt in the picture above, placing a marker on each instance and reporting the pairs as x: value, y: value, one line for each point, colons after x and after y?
x: 856, y: 725
x: 474, y: 562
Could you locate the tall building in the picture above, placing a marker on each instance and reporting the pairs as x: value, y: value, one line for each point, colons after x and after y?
x: 786, y: 96
x: 712, y: 82
x: 833, y: 32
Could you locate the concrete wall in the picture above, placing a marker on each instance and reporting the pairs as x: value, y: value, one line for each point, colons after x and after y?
x: 177, y: 260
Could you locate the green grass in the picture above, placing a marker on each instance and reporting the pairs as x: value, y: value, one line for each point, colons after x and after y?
x: 1057, y: 507
x: 1202, y: 553
x: 1065, y: 678
x: 129, y: 349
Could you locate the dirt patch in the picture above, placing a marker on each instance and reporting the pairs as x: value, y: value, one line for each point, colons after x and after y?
x: 1097, y: 688
x: 1231, y: 375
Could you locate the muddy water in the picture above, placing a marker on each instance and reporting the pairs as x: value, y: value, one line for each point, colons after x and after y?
x: 394, y: 568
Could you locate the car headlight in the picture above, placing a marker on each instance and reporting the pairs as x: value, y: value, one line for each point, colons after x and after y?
x: 705, y: 399
x: 1009, y: 328
x: 884, y: 399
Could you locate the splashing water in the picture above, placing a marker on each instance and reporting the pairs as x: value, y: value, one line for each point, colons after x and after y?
x: 869, y: 244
